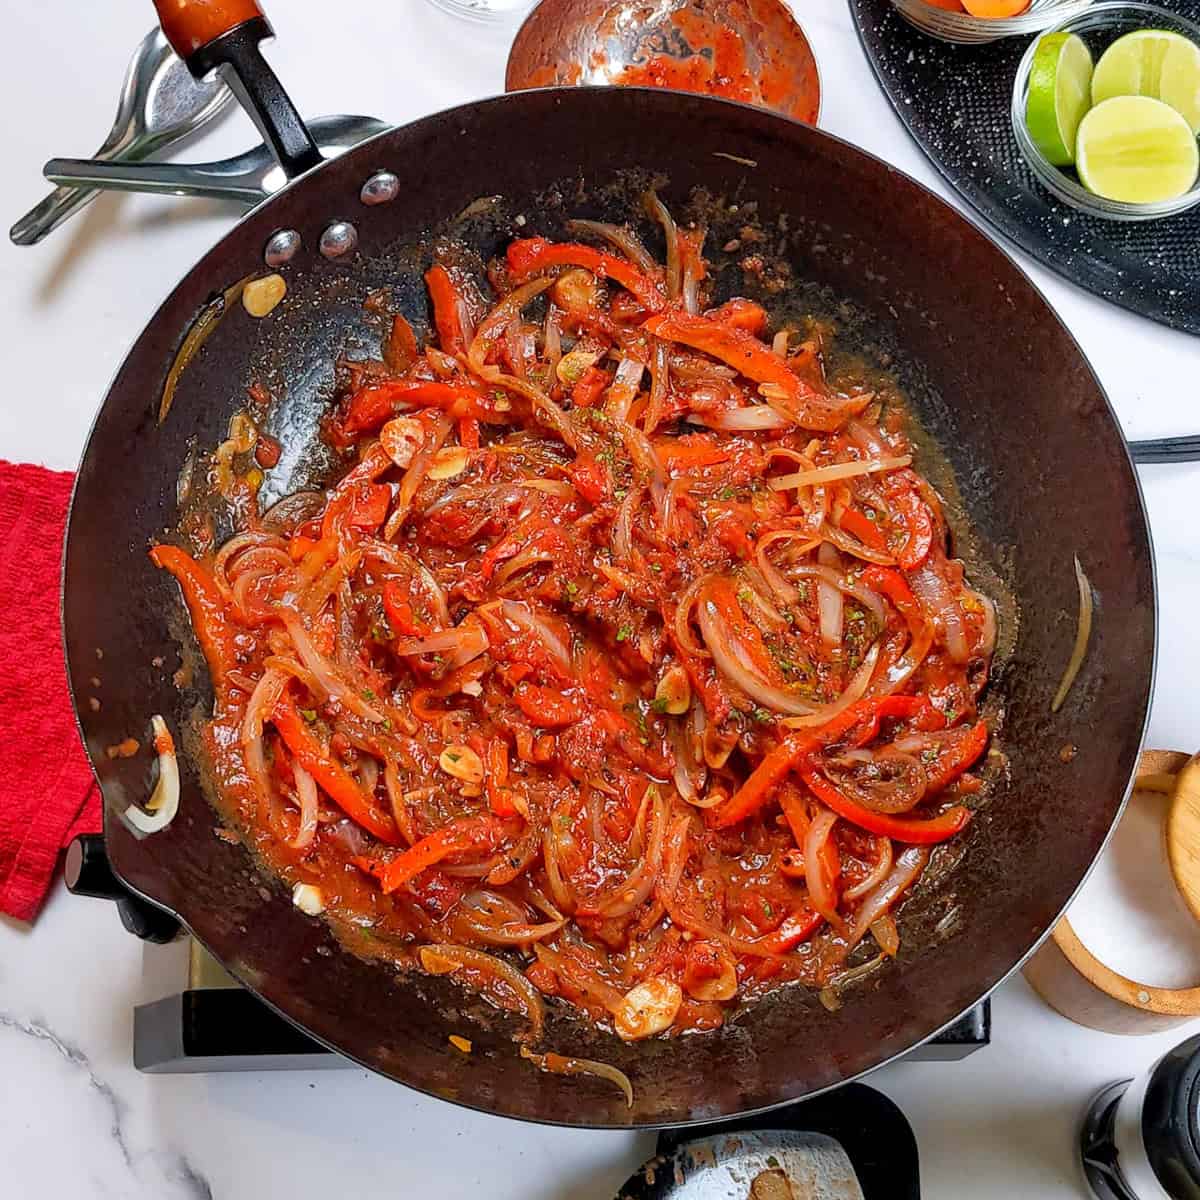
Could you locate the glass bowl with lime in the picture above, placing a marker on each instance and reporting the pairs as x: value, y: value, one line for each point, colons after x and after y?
x: 1106, y: 111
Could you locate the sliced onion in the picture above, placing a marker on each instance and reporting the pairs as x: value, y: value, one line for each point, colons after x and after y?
x: 660, y: 381
x: 623, y: 525
x: 441, y: 959
x: 658, y: 210
x: 621, y: 239
x: 907, y: 868
x: 558, y: 1064
x: 886, y: 934
x: 552, y: 339
x: 854, y: 692
x: 593, y: 987
x: 493, y: 327
x: 871, y: 600
x: 866, y: 437
x: 889, y: 781
x: 499, y: 921
x: 259, y: 708
x: 830, y: 608
x: 730, y: 662
x: 292, y: 510
x: 820, y: 888
x: 837, y: 471
x: 467, y: 641
x: 624, y: 388
x: 164, y: 800
x: 1082, y: 633
x: 851, y: 545
x: 414, y: 476
x: 749, y: 418
x: 877, y: 874
x: 394, y: 556
x: 326, y: 674
x: 306, y: 793
x: 524, y: 616
x: 620, y: 899
x: 940, y: 603
x: 784, y: 591
x: 987, y: 631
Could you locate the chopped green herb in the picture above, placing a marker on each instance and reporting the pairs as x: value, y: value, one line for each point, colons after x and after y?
x: 624, y: 633
x: 768, y: 908
x: 762, y: 714
x: 368, y: 695
x: 380, y: 632
x: 659, y: 705
x: 387, y: 724
x: 726, y: 493
x: 309, y: 714
x: 656, y: 566
x: 951, y: 715
x: 929, y: 755
x: 620, y: 493
x: 570, y: 589
x: 453, y: 756
x: 745, y: 596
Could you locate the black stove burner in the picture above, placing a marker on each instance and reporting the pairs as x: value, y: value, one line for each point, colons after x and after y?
x: 228, y: 1029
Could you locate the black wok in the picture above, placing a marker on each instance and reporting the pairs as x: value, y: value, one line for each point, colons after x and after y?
x: 995, y: 378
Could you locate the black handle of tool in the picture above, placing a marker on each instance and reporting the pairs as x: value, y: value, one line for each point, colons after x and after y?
x: 226, y: 36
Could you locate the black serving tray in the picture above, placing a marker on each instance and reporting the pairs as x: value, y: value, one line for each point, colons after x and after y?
x: 956, y: 101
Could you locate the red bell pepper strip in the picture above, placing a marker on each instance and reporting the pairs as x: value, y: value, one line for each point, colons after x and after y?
x: 859, y: 526
x: 917, y: 709
x: 756, y: 360
x: 468, y: 433
x: 591, y: 480
x: 447, y: 301
x: 917, y: 522
x: 466, y: 833
x: 590, y: 387
x: 206, y: 607
x: 529, y: 256
x: 691, y: 452
x: 895, y: 587
x: 371, y: 406
x: 802, y: 744
x: 958, y: 752
x: 496, y: 779
x: 774, y: 767
x: 741, y: 314
x: 335, y: 781
x: 546, y: 707
x: 902, y: 829
x: 797, y: 928
x: 401, y: 618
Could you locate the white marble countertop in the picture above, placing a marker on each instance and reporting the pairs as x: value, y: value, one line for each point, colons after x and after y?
x: 75, y: 1118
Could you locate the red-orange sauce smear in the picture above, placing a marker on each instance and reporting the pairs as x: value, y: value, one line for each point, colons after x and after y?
x: 721, y: 65
x: 623, y: 664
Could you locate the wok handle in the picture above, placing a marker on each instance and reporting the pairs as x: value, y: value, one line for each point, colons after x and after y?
x: 224, y: 36
x: 1166, y: 450
x: 87, y: 873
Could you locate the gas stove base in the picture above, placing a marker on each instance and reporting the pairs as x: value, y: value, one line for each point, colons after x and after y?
x: 223, y: 1029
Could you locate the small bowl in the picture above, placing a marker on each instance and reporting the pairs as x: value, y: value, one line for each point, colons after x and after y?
x: 1099, y: 27
x: 967, y: 30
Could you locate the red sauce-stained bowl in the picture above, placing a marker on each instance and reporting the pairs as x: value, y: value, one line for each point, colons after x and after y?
x: 748, y: 50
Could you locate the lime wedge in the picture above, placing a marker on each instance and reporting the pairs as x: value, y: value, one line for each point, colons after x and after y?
x: 1136, y: 149
x: 1155, y: 63
x: 1059, y: 94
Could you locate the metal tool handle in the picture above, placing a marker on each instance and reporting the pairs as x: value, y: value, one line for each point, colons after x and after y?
x: 219, y: 180
x: 224, y: 36
x: 47, y: 216
x: 1166, y: 450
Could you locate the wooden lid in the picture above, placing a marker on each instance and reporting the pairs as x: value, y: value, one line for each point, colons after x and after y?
x: 1072, y: 980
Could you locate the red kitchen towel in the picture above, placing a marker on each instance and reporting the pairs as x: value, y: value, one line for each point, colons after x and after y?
x: 47, y: 790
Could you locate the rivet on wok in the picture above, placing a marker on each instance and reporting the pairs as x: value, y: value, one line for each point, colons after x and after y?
x: 382, y: 188
x: 282, y: 247
x: 340, y: 238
